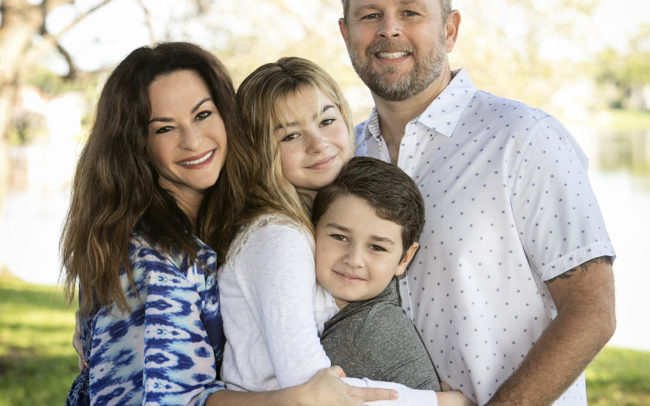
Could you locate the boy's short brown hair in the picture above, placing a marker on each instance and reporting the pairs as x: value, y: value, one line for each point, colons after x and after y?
x: 385, y: 187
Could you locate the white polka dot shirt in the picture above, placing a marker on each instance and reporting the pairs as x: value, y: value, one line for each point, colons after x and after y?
x: 508, y: 206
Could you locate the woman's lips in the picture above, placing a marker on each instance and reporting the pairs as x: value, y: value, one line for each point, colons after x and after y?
x: 198, y: 160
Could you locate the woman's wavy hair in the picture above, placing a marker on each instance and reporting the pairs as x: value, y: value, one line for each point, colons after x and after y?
x: 261, y: 98
x: 116, y: 192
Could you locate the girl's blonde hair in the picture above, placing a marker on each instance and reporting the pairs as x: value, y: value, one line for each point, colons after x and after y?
x: 261, y: 98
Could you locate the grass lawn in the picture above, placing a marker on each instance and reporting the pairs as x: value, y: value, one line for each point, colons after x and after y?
x: 38, y: 363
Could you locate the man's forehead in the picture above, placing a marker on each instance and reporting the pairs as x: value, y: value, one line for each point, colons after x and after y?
x: 381, y: 3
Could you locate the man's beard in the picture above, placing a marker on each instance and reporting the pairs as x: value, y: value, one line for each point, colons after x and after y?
x: 424, y: 71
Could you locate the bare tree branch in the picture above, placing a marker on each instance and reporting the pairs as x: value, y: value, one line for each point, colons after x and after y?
x: 72, y: 67
x: 147, y: 20
x: 79, y: 18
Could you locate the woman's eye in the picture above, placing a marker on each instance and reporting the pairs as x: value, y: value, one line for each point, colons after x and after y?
x: 165, y: 129
x: 290, y: 137
x: 326, y: 122
x: 203, y: 115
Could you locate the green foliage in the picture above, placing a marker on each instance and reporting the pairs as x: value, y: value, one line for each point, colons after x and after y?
x: 38, y: 363
x: 619, y: 377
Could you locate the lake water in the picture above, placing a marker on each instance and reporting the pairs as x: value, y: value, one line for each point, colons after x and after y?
x: 32, y: 219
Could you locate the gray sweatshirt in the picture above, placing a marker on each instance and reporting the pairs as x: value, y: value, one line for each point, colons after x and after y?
x: 375, y: 339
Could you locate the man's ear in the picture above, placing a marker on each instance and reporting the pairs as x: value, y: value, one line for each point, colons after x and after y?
x: 408, y: 256
x: 451, y: 29
x: 344, y: 31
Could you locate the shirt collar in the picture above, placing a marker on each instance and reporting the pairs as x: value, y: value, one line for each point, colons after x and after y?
x: 443, y: 114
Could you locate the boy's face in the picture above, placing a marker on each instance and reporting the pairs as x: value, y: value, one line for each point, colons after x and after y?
x: 357, y: 252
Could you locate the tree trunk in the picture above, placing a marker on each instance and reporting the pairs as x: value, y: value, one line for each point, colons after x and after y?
x: 20, y: 22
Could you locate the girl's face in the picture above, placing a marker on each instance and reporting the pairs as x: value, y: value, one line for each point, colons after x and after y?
x: 186, y: 140
x: 314, y: 140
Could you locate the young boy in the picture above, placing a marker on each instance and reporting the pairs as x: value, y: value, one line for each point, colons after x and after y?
x: 367, y: 223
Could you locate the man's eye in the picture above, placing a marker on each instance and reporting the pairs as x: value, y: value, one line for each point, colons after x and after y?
x: 326, y: 122
x: 370, y: 16
x: 410, y: 13
x: 290, y: 137
x: 203, y: 115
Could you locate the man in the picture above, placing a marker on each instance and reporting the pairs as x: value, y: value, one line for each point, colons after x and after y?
x: 512, y: 289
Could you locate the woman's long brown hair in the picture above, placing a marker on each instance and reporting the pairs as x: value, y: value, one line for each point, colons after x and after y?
x: 115, y: 190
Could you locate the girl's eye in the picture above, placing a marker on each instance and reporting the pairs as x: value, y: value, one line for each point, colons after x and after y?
x: 290, y: 137
x: 203, y: 115
x: 165, y: 129
x: 377, y: 248
x: 326, y: 122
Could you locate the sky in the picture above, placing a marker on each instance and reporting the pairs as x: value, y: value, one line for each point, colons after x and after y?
x: 111, y: 33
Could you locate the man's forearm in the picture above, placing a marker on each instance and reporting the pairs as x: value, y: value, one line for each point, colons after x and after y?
x: 585, y: 322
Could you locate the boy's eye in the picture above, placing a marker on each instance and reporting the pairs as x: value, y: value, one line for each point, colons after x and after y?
x: 326, y: 122
x: 378, y: 248
x: 290, y: 137
x: 203, y: 115
x: 338, y: 237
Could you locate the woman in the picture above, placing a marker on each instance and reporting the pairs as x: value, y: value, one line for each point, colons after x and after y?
x: 152, y: 184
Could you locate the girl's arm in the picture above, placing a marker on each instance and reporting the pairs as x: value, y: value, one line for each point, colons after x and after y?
x: 324, y: 389
x: 275, y: 272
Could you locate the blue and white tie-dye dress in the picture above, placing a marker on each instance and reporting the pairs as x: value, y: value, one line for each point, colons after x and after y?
x: 168, y: 348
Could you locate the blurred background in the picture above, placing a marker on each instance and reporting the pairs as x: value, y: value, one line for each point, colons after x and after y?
x: 585, y: 61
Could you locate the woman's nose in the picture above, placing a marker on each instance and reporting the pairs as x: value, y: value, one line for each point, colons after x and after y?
x: 192, y: 138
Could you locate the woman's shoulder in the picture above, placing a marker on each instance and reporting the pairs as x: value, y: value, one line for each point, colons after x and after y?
x: 146, y: 253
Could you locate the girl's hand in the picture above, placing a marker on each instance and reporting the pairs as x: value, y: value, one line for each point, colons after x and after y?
x: 327, y: 388
x: 76, y: 343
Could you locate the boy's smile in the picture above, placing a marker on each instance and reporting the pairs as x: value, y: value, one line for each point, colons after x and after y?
x: 357, y: 252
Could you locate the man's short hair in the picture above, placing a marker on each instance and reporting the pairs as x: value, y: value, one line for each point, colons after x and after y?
x: 385, y: 187
x: 445, y: 5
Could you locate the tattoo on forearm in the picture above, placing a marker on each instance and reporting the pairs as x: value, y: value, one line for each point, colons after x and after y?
x: 582, y: 268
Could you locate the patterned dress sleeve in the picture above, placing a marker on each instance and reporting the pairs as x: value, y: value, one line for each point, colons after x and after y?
x: 160, y: 352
